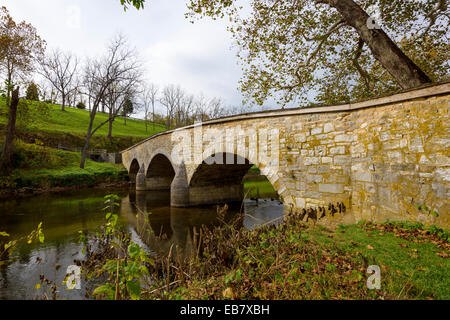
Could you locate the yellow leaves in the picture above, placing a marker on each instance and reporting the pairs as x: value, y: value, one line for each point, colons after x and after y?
x: 442, y: 254
x: 422, y: 269
x: 228, y: 293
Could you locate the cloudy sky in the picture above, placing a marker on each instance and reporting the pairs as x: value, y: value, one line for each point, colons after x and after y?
x: 200, y: 57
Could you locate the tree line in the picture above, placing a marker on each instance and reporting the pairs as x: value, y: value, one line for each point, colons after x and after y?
x: 111, y: 83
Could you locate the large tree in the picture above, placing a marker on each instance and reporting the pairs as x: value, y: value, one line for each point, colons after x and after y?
x: 290, y: 48
x: 20, y: 48
x: 119, y: 65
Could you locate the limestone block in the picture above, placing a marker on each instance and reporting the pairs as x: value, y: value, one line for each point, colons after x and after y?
x: 331, y: 188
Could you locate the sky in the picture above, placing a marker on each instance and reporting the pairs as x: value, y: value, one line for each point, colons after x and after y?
x: 200, y: 57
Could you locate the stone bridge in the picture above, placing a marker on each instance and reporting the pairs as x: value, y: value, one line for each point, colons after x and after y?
x: 386, y: 158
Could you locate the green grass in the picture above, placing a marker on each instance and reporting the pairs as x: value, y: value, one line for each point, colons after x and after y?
x: 76, y: 121
x: 299, y: 261
x: 410, y: 263
x: 40, y: 167
x: 41, y: 128
x: 259, y: 189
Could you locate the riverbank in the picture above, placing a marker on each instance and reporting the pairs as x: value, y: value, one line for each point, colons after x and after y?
x: 41, y: 169
x: 41, y: 166
x: 299, y: 261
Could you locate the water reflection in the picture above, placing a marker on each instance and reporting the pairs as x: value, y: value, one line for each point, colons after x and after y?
x: 166, y: 226
x: 65, y: 214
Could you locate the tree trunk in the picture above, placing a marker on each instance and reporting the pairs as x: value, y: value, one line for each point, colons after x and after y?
x: 63, y: 102
x: 84, y: 152
x: 110, y: 125
x: 402, y: 69
x: 153, y: 119
x: 146, y: 124
x: 7, y: 156
x: 8, y: 89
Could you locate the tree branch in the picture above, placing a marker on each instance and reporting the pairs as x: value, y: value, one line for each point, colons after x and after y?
x: 361, y: 71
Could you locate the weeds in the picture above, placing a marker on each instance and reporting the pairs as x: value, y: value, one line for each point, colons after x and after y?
x: 292, y: 260
x: 112, y: 256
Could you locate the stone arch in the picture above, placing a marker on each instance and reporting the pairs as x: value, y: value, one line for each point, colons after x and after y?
x: 160, y: 172
x: 134, y: 170
x: 221, y: 181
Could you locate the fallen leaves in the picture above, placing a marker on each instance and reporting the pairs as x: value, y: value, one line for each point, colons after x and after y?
x: 422, y: 269
x: 369, y: 247
x: 228, y: 293
x: 442, y: 254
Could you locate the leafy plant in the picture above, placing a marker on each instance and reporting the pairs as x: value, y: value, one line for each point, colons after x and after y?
x: 8, y: 248
x: 427, y: 210
x: 126, y: 271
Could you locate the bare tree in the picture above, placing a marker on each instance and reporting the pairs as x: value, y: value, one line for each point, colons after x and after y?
x: 59, y: 68
x: 117, y: 95
x: 201, y: 108
x: 148, y: 99
x: 236, y: 110
x: 186, y: 109
x: 206, y: 109
x: 216, y: 108
x: 120, y: 64
x: 170, y: 99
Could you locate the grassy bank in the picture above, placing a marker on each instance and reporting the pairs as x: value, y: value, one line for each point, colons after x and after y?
x: 52, y: 126
x: 289, y: 261
x: 259, y: 189
x: 296, y: 261
x: 42, y: 168
x: 42, y: 127
x: 257, y: 185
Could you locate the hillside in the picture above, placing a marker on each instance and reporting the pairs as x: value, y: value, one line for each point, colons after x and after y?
x: 40, y: 166
x: 70, y: 126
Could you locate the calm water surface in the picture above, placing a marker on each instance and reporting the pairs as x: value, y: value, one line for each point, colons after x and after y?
x: 64, y: 214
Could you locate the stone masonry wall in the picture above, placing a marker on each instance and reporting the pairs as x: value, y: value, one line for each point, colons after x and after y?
x: 381, y: 159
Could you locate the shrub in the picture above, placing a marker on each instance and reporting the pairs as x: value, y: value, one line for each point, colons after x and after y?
x: 81, y: 105
x: 32, y: 92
